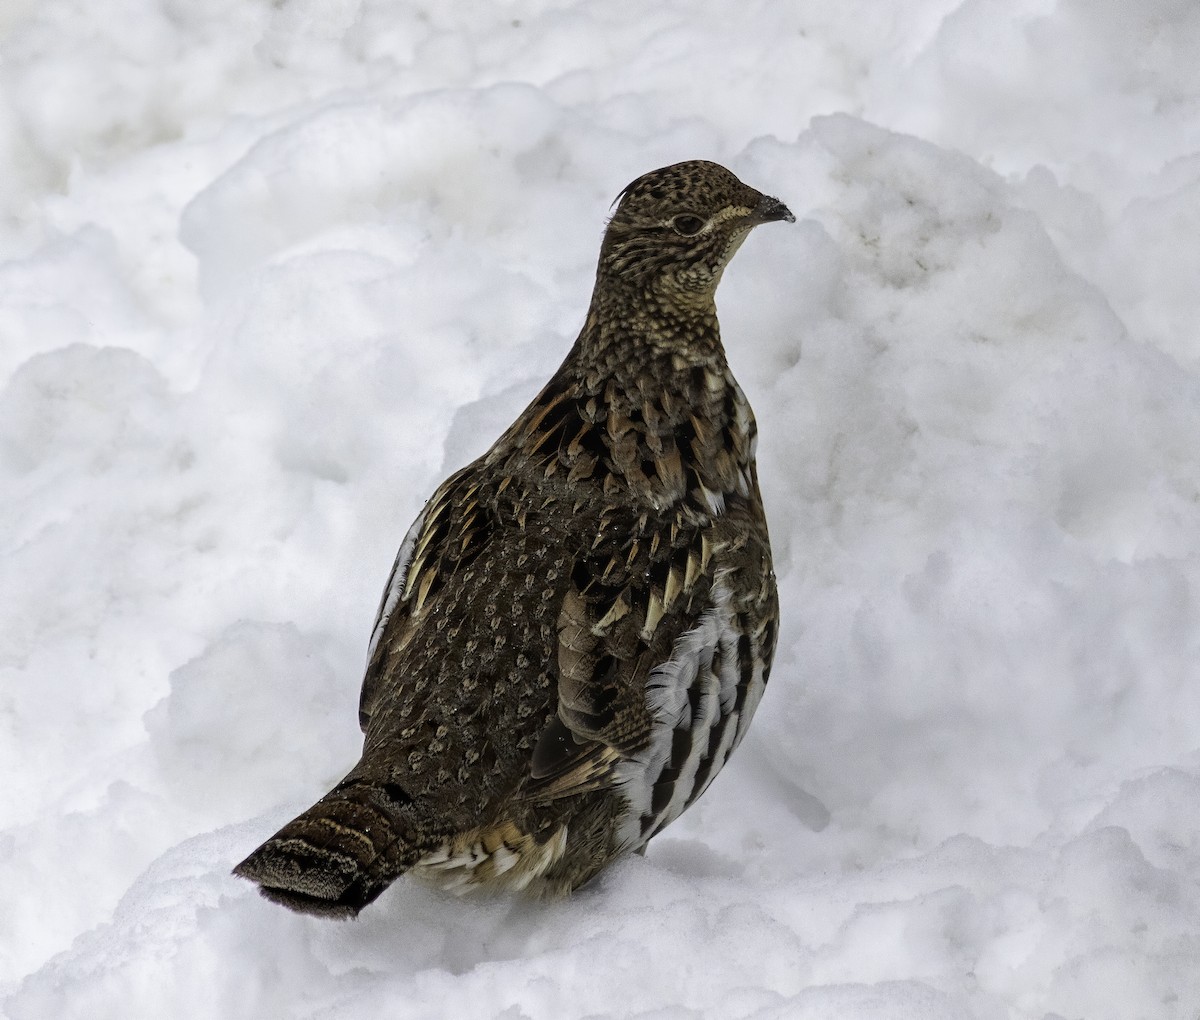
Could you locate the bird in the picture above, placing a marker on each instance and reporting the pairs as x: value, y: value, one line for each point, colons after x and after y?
x: 579, y: 625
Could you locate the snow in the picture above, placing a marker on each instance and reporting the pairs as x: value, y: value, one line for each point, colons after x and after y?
x: 268, y: 271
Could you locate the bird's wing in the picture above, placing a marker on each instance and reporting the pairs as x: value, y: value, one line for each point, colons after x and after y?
x: 634, y: 596
x: 450, y: 531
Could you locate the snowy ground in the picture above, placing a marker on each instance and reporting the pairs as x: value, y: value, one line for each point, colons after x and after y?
x: 270, y: 270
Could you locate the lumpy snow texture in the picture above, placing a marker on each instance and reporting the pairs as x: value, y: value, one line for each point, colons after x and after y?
x: 272, y: 269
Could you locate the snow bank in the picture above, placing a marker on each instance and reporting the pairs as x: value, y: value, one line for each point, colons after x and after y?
x: 272, y: 270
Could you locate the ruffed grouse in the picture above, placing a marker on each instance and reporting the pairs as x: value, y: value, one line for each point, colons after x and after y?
x: 580, y: 624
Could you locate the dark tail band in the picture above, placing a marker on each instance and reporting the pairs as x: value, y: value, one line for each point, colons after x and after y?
x: 337, y: 856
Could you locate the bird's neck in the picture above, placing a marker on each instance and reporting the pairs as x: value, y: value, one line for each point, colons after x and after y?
x: 642, y: 331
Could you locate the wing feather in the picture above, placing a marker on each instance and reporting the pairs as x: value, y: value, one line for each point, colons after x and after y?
x: 633, y: 595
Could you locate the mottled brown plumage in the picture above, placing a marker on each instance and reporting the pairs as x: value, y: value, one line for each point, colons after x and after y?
x: 580, y: 623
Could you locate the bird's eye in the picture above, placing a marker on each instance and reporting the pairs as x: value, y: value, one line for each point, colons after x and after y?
x: 687, y: 224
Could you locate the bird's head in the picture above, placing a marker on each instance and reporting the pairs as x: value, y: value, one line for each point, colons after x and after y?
x: 675, y: 229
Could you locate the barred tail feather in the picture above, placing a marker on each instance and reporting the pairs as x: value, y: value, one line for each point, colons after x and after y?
x: 337, y: 856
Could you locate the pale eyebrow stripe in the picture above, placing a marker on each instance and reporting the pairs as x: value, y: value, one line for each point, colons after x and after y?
x: 728, y: 213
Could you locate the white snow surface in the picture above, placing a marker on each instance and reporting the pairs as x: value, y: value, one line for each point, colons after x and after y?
x: 270, y: 270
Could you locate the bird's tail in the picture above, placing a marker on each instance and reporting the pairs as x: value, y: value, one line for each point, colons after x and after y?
x: 338, y: 855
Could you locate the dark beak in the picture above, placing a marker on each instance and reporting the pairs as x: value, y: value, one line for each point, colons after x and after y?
x: 769, y: 210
